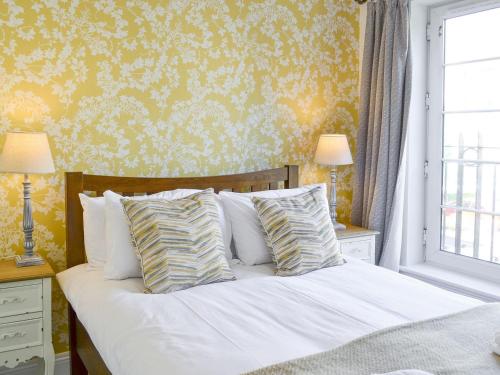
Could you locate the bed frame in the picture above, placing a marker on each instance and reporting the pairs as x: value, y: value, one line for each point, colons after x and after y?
x: 84, y: 357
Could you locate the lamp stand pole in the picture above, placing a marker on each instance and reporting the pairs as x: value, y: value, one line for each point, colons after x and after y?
x: 29, y: 258
x: 333, y: 201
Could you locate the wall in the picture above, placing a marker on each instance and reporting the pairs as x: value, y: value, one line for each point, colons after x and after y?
x: 151, y: 88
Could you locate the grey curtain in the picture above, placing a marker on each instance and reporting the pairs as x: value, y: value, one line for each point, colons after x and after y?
x: 384, y: 104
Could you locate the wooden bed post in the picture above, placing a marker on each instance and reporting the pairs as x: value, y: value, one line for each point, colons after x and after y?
x: 293, y: 177
x: 76, y: 364
x: 75, y: 248
x: 74, y: 256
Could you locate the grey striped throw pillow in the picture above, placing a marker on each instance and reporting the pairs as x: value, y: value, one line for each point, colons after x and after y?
x: 179, y: 241
x: 300, y: 232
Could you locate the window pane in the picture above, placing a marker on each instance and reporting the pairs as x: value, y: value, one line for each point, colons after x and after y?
x: 450, y: 171
x: 458, y: 232
x: 484, y: 236
x: 474, y: 86
x: 487, y: 187
x: 477, y: 185
x: 472, y: 37
x: 448, y: 229
x: 473, y: 135
x: 495, y: 252
x: 460, y: 184
x: 497, y: 190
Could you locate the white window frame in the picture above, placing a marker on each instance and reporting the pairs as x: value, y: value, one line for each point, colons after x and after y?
x: 433, y: 254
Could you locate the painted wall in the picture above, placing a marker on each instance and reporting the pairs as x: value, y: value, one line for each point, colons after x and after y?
x: 177, y: 88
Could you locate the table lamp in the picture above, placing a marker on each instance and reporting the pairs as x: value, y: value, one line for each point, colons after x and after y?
x: 333, y: 150
x: 27, y: 153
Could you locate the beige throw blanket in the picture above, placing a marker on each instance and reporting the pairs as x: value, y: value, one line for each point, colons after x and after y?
x: 457, y: 344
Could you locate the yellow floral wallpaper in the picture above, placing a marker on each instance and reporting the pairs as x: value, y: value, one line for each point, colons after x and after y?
x: 170, y: 88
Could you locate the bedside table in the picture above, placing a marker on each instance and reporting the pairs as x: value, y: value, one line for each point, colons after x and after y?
x: 358, y: 242
x: 26, y: 314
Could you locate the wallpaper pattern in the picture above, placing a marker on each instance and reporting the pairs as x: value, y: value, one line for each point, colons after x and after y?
x: 170, y: 88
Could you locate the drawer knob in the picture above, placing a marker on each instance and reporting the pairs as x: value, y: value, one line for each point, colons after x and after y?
x: 12, y: 335
x: 8, y: 300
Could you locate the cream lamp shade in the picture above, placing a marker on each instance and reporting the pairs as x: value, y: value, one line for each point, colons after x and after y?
x: 333, y: 149
x: 26, y: 153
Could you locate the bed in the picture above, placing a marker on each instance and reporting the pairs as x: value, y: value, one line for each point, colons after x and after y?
x: 232, y: 327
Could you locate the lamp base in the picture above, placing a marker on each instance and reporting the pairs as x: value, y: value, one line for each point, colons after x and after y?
x: 26, y: 261
x: 338, y: 226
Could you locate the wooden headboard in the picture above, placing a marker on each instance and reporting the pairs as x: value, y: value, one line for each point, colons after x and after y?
x: 77, y: 182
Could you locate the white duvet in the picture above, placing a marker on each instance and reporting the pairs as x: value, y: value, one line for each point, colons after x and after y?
x: 238, y: 326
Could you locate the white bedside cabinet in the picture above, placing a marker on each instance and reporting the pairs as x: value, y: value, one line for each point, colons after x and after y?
x: 26, y: 315
x: 358, y: 242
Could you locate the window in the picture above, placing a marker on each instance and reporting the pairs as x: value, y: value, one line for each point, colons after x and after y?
x: 463, y: 180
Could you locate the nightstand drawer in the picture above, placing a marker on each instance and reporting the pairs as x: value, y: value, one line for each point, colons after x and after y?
x: 357, y: 249
x: 21, y: 299
x: 21, y: 334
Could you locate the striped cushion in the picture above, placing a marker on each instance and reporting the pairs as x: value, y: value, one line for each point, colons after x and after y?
x: 300, y: 232
x: 179, y: 241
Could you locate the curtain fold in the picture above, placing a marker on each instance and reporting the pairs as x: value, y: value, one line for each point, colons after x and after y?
x: 380, y: 176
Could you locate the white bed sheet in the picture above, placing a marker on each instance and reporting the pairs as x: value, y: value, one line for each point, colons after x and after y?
x: 242, y: 271
x: 258, y: 320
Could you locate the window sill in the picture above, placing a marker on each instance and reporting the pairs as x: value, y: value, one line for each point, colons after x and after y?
x: 474, y: 287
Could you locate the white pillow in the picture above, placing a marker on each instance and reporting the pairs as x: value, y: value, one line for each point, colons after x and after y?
x: 248, y: 235
x: 122, y: 261
x: 94, y: 233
